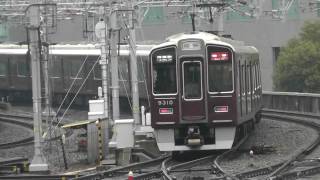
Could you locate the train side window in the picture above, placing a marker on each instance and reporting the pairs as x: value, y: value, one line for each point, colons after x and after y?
x: 22, y: 69
x: 240, y: 86
x: 124, y: 69
x: 164, y: 73
x: 259, y: 81
x: 254, y: 84
x: 97, y: 73
x: 251, y: 85
x: 248, y: 88
x: 244, y: 99
x: 3, y: 68
x: 75, y: 64
x: 56, y: 70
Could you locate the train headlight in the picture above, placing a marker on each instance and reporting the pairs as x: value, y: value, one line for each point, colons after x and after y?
x: 219, y: 56
x: 221, y: 109
x: 165, y: 110
x: 164, y: 59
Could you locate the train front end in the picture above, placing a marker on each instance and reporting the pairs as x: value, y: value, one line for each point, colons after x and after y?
x: 192, y: 94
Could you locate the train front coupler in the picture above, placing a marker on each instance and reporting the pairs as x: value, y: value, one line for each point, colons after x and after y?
x: 193, y: 137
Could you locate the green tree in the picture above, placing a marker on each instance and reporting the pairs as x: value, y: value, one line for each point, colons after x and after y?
x: 298, y: 66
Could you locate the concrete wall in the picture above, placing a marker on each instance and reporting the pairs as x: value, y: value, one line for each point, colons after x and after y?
x: 291, y: 101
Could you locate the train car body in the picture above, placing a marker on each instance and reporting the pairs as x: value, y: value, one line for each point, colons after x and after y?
x: 64, y: 65
x: 205, y: 91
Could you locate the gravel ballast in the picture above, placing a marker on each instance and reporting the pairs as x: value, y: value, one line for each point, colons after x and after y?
x: 285, y: 138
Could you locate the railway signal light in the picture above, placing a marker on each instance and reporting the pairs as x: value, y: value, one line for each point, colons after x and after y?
x: 130, y: 175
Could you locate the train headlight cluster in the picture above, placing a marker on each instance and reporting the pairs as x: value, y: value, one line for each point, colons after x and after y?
x: 219, y: 56
x: 164, y: 58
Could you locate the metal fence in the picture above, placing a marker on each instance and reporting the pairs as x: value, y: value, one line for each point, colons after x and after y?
x: 292, y: 101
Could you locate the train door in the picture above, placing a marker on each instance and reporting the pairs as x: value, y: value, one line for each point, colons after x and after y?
x: 192, y: 98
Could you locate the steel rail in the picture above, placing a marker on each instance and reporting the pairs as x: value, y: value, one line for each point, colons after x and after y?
x: 22, y: 119
x: 17, y: 120
x: 122, y: 169
x: 219, y: 158
x: 301, y: 153
x: 275, y: 171
x: 38, y: 177
x: 166, y: 171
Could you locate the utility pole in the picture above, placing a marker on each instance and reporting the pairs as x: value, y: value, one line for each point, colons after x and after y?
x: 114, y: 62
x: 133, y: 67
x: 101, y: 34
x: 38, y: 162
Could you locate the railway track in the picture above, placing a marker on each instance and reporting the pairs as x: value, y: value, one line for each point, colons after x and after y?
x: 22, y: 120
x: 164, y: 168
x: 280, y: 170
x: 277, y: 171
x: 214, y: 170
x: 123, y: 170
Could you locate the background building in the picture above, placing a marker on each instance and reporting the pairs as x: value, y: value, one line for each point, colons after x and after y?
x: 265, y: 24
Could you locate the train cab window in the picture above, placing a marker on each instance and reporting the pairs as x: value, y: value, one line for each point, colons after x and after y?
x: 220, y: 78
x: 192, y: 79
x: 164, y: 71
x: 22, y: 69
x: 3, y: 68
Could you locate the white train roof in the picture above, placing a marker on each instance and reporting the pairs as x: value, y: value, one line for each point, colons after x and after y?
x: 68, y: 49
x: 208, y: 38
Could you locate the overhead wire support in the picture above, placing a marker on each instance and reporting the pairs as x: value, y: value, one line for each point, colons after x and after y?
x: 38, y: 162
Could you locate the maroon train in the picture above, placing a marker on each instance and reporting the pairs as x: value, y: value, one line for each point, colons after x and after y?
x: 205, y: 91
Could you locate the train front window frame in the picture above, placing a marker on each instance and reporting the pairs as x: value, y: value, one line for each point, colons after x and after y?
x: 230, y: 78
x: 168, y: 72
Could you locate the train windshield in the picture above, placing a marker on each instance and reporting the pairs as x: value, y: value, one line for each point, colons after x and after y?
x: 164, y: 71
x: 220, y: 70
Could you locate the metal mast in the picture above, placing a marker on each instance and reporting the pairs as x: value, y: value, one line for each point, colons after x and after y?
x: 114, y: 62
x: 39, y: 162
x: 133, y: 67
x: 101, y: 34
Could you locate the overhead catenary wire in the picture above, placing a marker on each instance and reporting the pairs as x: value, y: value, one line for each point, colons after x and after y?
x: 125, y: 87
x: 78, y: 91
x: 71, y: 86
x: 141, y: 61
